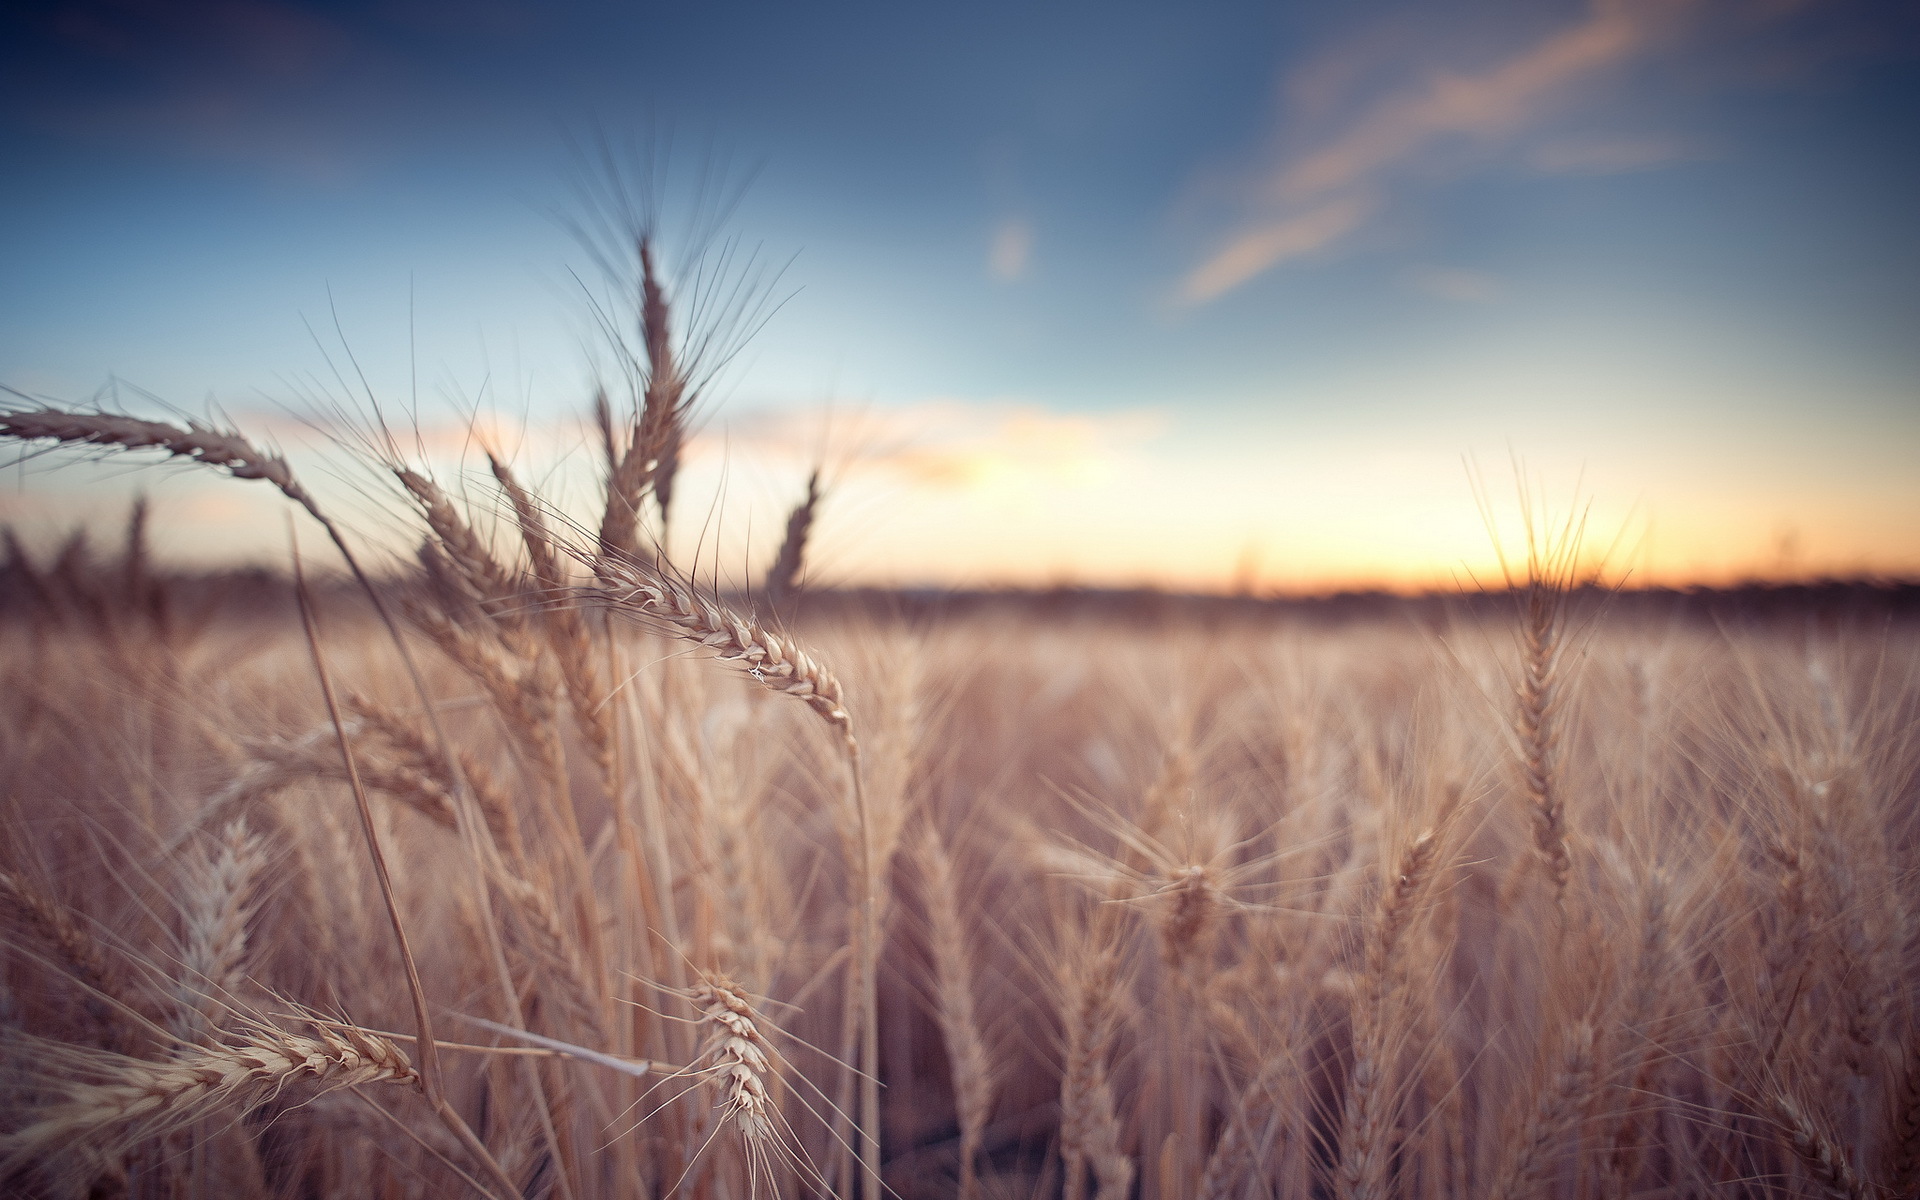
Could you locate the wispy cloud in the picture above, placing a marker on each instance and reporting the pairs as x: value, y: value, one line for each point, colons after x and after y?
x: 1265, y: 246
x: 1322, y: 192
x: 1496, y: 101
x: 1610, y: 155
x: 1011, y: 251
x: 1454, y: 283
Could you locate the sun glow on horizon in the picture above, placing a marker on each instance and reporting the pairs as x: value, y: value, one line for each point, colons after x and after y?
x: 952, y: 494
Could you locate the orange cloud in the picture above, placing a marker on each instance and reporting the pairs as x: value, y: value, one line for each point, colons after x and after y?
x: 950, y: 443
x: 968, y: 446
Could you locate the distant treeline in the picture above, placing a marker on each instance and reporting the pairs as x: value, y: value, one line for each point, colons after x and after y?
x: 1852, y: 599
x: 76, y: 585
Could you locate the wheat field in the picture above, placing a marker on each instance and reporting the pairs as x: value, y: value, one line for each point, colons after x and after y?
x: 540, y: 868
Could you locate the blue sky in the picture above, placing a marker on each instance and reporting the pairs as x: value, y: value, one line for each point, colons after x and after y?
x: 1161, y: 290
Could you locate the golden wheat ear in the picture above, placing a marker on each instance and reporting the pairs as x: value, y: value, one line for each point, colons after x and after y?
x: 783, y: 576
x: 659, y: 596
x: 194, y: 442
x: 110, y: 1102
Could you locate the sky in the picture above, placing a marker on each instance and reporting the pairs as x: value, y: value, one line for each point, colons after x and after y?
x: 1275, y: 297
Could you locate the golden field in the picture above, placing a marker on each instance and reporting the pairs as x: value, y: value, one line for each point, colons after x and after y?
x: 537, y: 867
x: 1568, y: 903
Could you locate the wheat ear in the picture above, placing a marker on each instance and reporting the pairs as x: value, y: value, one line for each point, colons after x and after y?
x: 469, y: 552
x: 651, y: 457
x: 566, y: 629
x: 1823, y: 1158
x: 1089, y: 1123
x: 137, y: 1099
x: 423, y: 779
x: 220, y: 901
x: 664, y: 411
x: 1556, y: 1109
x: 198, y: 443
x: 783, y: 577
x: 738, y: 1056
x: 1536, y: 722
x: 954, y: 973
x: 1901, y: 1156
x: 1366, y: 1150
x: 54, y: 925
x: 777, y: 663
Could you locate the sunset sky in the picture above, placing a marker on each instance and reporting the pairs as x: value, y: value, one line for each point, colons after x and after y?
x: 1198, y: 295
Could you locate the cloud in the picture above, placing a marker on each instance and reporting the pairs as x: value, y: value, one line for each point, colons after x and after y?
x: 1264, y: 247
x: 1312, y: 199
x: 971, y: 447
x: 1454, y: 283
x: 1011, y: 251
x: 1608, y: 155
x: 952, y: 444
x: 1496, y: 101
